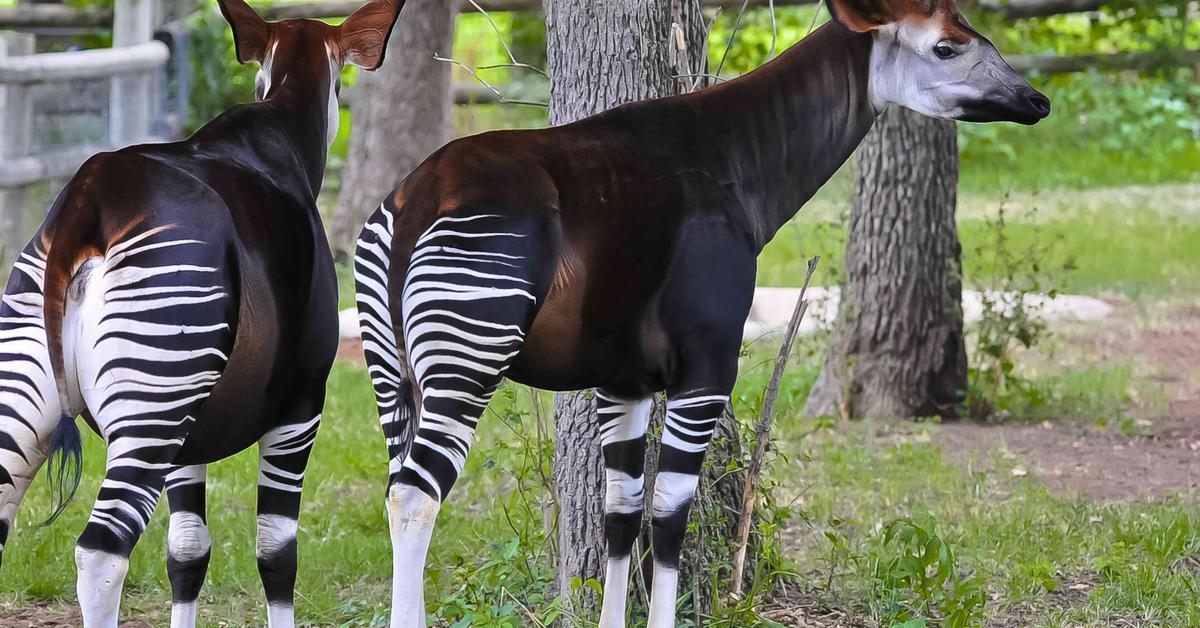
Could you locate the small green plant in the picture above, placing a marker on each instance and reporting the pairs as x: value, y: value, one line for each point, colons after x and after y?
x: 1010, y: 320
x: 916, y: 578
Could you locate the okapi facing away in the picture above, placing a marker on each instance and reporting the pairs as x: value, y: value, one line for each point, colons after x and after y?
x: 189, y: 310
x: 619, y: 253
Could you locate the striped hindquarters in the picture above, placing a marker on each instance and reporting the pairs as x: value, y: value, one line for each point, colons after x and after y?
x: 384, y: 353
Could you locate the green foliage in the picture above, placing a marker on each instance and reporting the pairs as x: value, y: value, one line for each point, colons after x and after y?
x: 1014, y: 537
x: 917, y: 576
x: 1011, y: 318
x: 218, y: 80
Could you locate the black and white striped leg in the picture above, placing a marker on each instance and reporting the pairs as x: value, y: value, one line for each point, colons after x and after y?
x: 471, y: 291
x: 128, y: 496
x: 386, y: 361
x: 623, y: 426
x: 152, y: 337
x: 283, y: 456
x: 188, y: 542
x: 692, y: 416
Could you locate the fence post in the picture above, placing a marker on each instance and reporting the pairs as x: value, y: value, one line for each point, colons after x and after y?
x: 130, y: 106
x: 16, y: 140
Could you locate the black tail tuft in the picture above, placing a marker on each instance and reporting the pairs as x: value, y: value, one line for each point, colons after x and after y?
x: 65, y: 467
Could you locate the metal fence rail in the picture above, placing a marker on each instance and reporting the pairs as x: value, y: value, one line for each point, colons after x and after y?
x: 132, y: 67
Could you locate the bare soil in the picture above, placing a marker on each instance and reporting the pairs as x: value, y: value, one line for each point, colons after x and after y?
x: 41, y: 616
x: 1162, y: 459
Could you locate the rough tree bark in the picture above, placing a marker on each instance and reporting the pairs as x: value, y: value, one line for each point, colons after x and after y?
x: 602, y: 53
x: 897, y: 350
x: 401, y: 114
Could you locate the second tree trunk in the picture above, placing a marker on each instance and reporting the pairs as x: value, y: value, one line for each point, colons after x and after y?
x: 898, y: 350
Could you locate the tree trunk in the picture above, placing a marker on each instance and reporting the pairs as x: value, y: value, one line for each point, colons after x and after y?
x: 600, y: 54
x: 401, y: 114
x: 898, y: 350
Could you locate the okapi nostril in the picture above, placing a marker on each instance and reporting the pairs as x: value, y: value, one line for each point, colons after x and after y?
x: 1040, y: 103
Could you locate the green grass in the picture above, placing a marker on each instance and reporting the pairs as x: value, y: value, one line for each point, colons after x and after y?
x: 345, y: 564
x: 1121, y: 243
x: 1022, y: 541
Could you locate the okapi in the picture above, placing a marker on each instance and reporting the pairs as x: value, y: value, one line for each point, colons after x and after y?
x: 182, y: 297
x: 618, y: 253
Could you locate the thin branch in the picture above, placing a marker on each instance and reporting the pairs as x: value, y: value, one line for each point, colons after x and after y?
x: 500, y: 97
x: 732, y: 35
x: 762, y: 432
x: 488, y: 16
x: 518, y: 65
x: 774, y: 30
x: 512, y: 63
x: 702, y: 75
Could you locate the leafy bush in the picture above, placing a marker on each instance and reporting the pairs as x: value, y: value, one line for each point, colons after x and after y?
x: 1010, y: 319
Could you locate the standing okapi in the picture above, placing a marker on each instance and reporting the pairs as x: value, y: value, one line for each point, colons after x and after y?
x: 618, y: 253
x: 182, y: 297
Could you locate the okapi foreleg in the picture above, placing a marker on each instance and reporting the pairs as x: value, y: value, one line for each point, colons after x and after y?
x: 189, y: 545
x: 691, y: 418
x: 282, y: 457
x: 623, y: 426
x: 471, y: 291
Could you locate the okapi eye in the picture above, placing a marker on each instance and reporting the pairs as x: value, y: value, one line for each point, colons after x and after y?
x: 944, y: 50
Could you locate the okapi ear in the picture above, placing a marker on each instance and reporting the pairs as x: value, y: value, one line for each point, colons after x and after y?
x: 364, y: 35
x: 862, y: 16
x: 251, y: 33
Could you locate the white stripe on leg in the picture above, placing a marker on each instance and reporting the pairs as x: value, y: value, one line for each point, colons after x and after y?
x: 616, y: 593
x: 662, y: 597
x: 411, y: 517
x: 100, y: 578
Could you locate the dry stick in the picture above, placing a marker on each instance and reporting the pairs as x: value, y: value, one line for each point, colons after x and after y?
x: 762, y: 434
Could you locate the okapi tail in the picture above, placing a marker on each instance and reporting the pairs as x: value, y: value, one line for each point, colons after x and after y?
x: 64, y: 469
x: 69, y: 242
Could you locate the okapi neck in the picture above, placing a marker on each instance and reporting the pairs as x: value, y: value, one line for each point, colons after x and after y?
x: 303, y: 112
x: 795, y: 122
x: 283, y: 139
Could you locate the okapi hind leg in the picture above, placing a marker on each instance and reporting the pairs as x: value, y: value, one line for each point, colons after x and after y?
x: 153, y: 334
x: 133, y: 481
x: 623, y: 426
x: 472, y: 289
x: 189, y: 545
x: 386, y: 362
x: 283, y: 456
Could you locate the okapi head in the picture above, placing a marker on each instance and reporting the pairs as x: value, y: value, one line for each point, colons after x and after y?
x: 927, y: 58
x: 301, y: 55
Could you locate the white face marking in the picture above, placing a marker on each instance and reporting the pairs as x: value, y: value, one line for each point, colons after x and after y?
x: 906, y: 72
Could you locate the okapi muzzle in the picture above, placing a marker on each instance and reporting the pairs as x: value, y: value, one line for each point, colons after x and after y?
x: 926, y: 57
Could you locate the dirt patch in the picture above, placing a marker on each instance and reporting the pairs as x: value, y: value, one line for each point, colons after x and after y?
x: 44, y: 616
x: 1162, y: 460
x: 1071, y: 459
x: 351, y: 351
x: 799, y: 610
